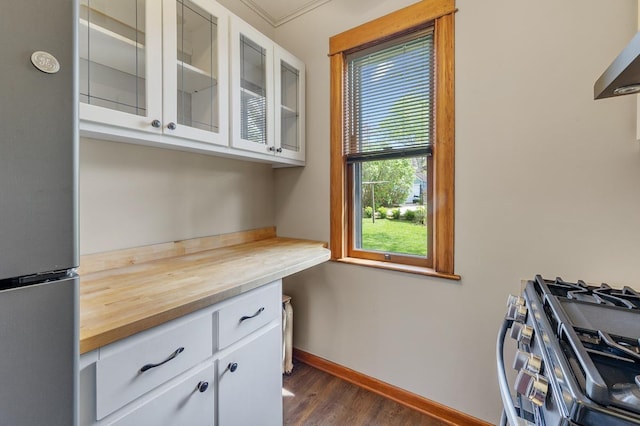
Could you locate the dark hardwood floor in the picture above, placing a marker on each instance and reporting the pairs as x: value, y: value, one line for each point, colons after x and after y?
x: 313, y: 397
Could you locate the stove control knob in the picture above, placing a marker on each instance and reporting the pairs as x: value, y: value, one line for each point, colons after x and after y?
x: 538, y: 391
x: 517, y: 313
x: 522, y: 333
x: 532, y: 386
x: 516, y: 329
x: 527, y: 361
x: 515, y: 300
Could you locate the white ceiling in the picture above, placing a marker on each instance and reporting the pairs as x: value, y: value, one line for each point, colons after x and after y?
x: 277, y: 12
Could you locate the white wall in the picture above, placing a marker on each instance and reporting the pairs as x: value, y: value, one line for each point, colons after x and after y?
x: 547, y: 181
x: 133, y: 195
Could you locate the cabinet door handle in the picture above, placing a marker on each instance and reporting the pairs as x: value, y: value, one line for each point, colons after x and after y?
x: 279, y: 150
x: 203, y: 386
x: 233, y: 366
x: 156, y: 123
x: 246, y: 317
x: 172, y: 356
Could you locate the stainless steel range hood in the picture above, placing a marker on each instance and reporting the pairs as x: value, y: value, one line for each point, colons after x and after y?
x: 622, y: 77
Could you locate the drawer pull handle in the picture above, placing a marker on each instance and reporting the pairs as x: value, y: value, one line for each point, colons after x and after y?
x: 203, y: 386
x: 172, y: 356
x: 233, y: 366
x: 246, y: 317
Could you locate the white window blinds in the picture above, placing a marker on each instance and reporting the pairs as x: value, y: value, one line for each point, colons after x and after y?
x: 388, y: 110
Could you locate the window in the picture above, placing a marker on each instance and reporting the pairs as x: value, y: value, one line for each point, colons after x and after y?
x: 392, y: 136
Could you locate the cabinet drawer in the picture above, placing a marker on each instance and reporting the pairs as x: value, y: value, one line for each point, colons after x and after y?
x: 134, y: 366
x: 187, y: 402
x: 249, y: 312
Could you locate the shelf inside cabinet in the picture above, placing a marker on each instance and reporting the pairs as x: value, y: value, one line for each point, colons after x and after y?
x: 251, y: 93
x: 288, y: 112
x: 108, y: 48
x: 195, y: 79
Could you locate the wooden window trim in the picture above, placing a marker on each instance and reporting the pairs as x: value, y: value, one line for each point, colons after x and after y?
x: 441, y: 13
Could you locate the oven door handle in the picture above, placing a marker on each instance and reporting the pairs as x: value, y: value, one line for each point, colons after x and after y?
x: 507, y: 401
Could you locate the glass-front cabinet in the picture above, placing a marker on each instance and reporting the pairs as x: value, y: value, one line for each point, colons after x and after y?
x: 120, y: 44
x: 155, y: 66
x: 267, y: 95
x: 188, y: 75
x: 289, y: 105
x: 195, y: 70
x: 252, y: 116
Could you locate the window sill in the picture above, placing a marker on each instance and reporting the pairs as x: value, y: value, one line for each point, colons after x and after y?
x: 397, y: 267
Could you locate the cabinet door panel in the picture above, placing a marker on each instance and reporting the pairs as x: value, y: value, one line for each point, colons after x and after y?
x: 181, y: 403
x: 195, y: 70
x: 252, y: 89
x: 251, y: 394
x: 290, y: 105
x: 119, y: 43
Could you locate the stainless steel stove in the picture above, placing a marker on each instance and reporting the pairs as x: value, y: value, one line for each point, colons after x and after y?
x: 578, y: 355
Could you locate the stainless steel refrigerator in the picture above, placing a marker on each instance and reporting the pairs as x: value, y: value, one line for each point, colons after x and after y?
x: 38, y: 213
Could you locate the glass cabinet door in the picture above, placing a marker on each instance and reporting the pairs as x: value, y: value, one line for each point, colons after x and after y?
x: 195, y: 70
x: 119, y: 47
x: 289, y: 100
x: 252, y: 86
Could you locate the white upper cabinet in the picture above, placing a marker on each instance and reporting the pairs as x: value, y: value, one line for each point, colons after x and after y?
x: 120, y: 45
x: 155, y: 66
x: 252, y: 118
x: 289, y: 105
x: 188, y: 75
x: 195, y: 70
x: 267, y: 95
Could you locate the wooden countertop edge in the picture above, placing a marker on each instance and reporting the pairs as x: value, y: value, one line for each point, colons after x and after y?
x: 95, y: 337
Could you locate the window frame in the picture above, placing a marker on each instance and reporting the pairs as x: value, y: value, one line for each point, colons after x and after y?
x: 440, y: 14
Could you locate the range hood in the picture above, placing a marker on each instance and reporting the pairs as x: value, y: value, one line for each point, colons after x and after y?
x: 622, y: 77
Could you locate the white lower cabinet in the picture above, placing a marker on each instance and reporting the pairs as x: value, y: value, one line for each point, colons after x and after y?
x: 190, y: 401
x: 250, y: 382
x: 132, y: 367
x: 179, y: 373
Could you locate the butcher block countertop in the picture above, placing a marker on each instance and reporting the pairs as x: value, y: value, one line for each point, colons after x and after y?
x: 128, y: 291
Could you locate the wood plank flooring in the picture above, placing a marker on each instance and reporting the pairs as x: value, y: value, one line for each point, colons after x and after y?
x: 315, y: 398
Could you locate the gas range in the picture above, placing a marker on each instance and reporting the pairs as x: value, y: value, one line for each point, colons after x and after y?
x: 578, y: 355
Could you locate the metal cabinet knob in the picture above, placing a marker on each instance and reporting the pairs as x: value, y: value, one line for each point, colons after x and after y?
x: 171, y: 126
x: 233, y: 366
x: 203, y: 386
x: 271, y: 148
x: 279, y: 150
x: 156, y: 123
